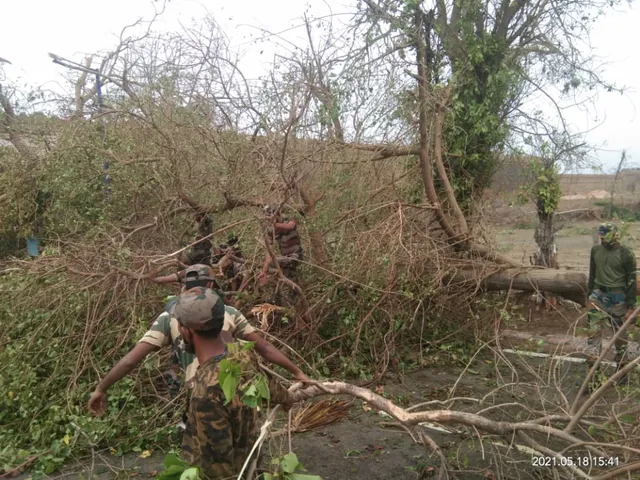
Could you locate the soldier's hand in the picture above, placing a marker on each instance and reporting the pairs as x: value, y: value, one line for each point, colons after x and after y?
x: 301, y: 377
x: 98, y: 403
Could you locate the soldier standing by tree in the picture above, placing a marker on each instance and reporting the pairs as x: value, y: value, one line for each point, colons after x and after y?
x: 285, y: 232
x: 612, y: 291
x: 165, y: 332
x: 201, y: 252
x: 221, y: 423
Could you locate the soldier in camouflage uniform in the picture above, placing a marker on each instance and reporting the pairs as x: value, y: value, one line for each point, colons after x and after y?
x: 199, y: 254
x: 165, y: 332
x: 194, y: 275
x: 219, y: 433
x: 201, y: 251
x: 285, y: 233
x: 179, y: 277
x: 612, y: 291
x: 234, y: 272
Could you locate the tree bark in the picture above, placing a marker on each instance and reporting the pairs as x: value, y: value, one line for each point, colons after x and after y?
x: 568, y: 284
x: 545, y: 237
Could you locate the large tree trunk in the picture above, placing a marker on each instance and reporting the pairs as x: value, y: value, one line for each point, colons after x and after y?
x: 568, y: 284
x: 545, y: 237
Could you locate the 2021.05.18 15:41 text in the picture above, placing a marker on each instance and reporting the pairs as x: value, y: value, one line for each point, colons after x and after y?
x: 585, y: 461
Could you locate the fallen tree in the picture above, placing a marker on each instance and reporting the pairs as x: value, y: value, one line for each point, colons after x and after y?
x: 569, y: 284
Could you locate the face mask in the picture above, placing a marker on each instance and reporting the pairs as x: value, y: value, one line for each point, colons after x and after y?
x: 609, y: 239
x: 609, y: 235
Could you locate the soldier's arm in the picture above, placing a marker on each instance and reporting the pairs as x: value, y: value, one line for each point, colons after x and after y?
x: 166, y: 279
x: 265, y: 265
x: 592, y: 272
x: 278, y: 394
x: 268, y: 238
x: 272, y: 355
x: 157, y: 336
x: 287, y: 226
x: 242, y: 329
x: 630, y: 278
x: 125, y: 365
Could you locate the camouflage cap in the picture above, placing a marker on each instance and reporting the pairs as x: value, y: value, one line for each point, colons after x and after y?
x: 200, y: 309
x: 198, y: 272
x: 609, y: 233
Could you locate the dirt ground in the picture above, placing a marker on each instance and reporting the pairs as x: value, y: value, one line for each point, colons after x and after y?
x: 368, y: 446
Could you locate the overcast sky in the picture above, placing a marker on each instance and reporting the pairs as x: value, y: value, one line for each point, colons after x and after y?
x: 71, y: 28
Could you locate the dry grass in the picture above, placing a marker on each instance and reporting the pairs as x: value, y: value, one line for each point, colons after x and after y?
x: 319, y: 414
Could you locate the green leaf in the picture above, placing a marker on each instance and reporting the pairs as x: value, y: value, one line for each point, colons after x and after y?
x: 248, y: 346
x: 627, y: 419
x: 303, y: 476
x: 263, y: 387
x: 172, y: 459
x: 192, y: 473
x: 229, y: 378
x: 251, y: 397
x: 289, y: 462
x: 172, y: 472
x: 175, y: 469
x: 251, y: 402
x: 251, y: 391
x: 268, y: 476
x: 229, y: 387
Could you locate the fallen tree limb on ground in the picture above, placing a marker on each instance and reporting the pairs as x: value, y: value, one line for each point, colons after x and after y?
x: 569, y: 284
x: 542, y: 428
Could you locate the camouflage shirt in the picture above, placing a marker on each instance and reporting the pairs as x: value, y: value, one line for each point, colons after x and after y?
x: 164, y: 332
x: 289, y: 242
x: 613, y: 268
x: 219, y: 437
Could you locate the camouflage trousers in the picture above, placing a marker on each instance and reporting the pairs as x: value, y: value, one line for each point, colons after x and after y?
x: 219, y: 438
x: 289, y: 265
x: 606, y: 308
x: 172, y: 376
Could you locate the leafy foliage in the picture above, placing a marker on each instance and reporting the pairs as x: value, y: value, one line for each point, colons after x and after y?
x: 254, y: 392
x: 544, y: 191
x: 44, y: 384
x: 178, y: 469
x: 288, y: 468
x: 229, y: 377
x: 486, y: 86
